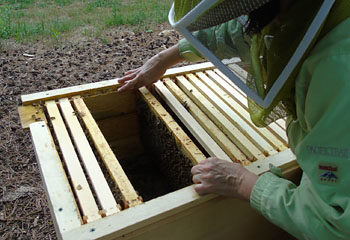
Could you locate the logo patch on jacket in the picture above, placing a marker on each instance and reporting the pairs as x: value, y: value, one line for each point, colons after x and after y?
x: 328, y: 173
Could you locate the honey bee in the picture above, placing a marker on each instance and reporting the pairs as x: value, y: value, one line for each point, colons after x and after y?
x: 186, y: 106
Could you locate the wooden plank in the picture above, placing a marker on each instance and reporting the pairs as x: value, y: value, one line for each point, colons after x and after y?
x: 162, y: 215
x: 172, y: 72
x: 240, y: 73
x: 242, y: 125
x: 241, y: 98
x: 240, y: 140
x: 127, y: 147
x: 99, y: 183
x: 283, y: 160
x: 225, y: 143
x: 192, y: 125
x: 186, y: 144
x: 112, y: 104
x: 188, y: 69
x: 123, y: 126
x: 79, y: 182
x: 218, y: 218
x: 111, y: 85
x: 144, y: 215
x: 176, y: 212
x: 30, y: 114
x: 242, y: 112
x: 108, y: 85
x: 282, y: 123
x: 128, y: 192
x: 63, y: 208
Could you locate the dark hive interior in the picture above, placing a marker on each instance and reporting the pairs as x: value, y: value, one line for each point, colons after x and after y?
x: 143, y: 144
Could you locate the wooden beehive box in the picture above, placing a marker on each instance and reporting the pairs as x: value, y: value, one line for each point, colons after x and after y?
x: 116, y: 165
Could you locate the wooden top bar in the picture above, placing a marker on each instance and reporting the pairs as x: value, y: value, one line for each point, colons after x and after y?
x: 128, y: 192
x: 62, y: 204
x: 111, y: 85
x: 80, y: 185
x: 195, y: 128
x: 187, y: 144
x: 239, y: 139
x: 231, y: 115
x: 225, y: 143
x: 99, y: 183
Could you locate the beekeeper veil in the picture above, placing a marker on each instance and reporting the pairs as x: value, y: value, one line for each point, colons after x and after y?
x: 188, y: 16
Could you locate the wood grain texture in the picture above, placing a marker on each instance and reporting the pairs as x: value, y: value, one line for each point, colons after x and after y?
x: 180, y: 214
x: 239, y: 139
x: 232, y: 116
x: 129, y: 147
x: 185, y: 143
x: 183, y: 214
x: 283, y: 160
x: 97, y: 179
x: 194, y: 127
x: 80, y: 185
x: 63, y: 208
x: 241, y: 98
x: 111, y: 104
x: 282, y: 123
x: 242, y: 112
x: 188, y: 69
x: 30, y: 114
x: 98, y: 87
x: 128, y: 192
x: 123, y: 126
x: 70, y: 91
x: 225, y: 143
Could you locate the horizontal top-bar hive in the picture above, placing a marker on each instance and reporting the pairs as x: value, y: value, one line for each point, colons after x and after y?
x: 216, y: 113
x: 212, y: 109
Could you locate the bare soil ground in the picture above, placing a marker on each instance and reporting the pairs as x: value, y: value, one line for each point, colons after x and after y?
x: 29, y: 68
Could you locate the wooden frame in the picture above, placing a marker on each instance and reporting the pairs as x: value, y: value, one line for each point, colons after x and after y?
x: 196, y: 129
x: 94, y: 171
x: 179, y: 214
x: 232, y: 151
x: 129, y: 194
x: 80, y: 185
x: 63, y: 208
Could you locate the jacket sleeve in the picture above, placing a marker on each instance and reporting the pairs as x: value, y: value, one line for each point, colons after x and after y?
x: 225, y: 41
x: 297, y: 210
x: 319, y: 208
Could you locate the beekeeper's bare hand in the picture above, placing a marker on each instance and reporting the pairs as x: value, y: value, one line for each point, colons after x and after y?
x: 224, y: 178
x: 151, y: 71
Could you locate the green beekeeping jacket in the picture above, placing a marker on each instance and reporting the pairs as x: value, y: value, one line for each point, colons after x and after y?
x: 319, y: 208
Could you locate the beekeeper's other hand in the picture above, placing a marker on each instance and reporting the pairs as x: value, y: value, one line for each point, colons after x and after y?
x: 224, y: 178
x: 152, y: 70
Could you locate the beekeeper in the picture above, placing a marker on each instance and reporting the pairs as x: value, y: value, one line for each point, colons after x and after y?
x: 298, y: 55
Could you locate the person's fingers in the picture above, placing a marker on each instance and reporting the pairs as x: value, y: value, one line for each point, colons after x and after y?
x: 131, y: 71
x: 123, y: 88
x: 127, y: 87
x: 196, y: 179
x: 201, y: 189
x: 140, y: 82
x: 207, y: 160
x: 196, y: 169
x: 128, y: 76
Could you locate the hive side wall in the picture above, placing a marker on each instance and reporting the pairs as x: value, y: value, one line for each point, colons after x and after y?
x: 219, y: 218
x: 202, y: 218
x: 180, y: 214
x: 63, y: 207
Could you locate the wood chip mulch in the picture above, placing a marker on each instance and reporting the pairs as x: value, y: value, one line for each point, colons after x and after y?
x: 30, y: 68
